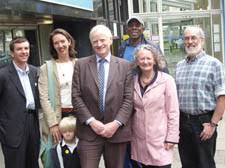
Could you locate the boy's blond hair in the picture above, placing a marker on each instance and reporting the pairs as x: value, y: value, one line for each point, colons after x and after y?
x: 67, y: 124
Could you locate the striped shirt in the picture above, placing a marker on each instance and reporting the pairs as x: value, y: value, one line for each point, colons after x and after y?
x: 199, y: 82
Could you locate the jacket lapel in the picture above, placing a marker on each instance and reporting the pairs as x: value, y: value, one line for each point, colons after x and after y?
x: 137, y: 87
x: 55, y: 71
x: 32, y: 81
x: 93, y: 68
x: 112, y: 70
x: 15, y: 79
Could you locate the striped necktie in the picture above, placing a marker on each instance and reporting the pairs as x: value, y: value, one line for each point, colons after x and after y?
x: 101, y: 79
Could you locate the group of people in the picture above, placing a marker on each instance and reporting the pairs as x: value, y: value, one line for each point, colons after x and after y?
x: 131, y: 112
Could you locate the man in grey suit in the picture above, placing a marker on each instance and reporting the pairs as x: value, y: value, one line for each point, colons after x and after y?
x: 103, y: 109
x: 19, y: 127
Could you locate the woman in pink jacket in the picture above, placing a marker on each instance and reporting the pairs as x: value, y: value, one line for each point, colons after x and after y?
x: 156, y: 113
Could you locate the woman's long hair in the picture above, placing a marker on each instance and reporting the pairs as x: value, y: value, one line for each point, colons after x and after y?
x: 53, y: 52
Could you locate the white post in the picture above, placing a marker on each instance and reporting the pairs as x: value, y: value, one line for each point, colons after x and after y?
x: 160, y: 26
x: 130, y: 8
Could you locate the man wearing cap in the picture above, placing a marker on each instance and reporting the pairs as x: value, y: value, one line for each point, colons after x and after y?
x: 135, y: 29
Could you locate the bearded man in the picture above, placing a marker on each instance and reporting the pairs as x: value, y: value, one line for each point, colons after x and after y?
x: 200, y: 80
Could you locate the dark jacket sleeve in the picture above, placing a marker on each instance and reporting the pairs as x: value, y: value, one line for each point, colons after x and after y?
x: 54, y: 158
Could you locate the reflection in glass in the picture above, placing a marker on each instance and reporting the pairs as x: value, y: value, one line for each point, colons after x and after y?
x: 123, y: 7
x: 152, y: 33
x: 216, y: 37
x: 111, y: 9
x: 215, y: 4
x: 18, y: 33
x: 173, y: 39
x: 1, y: 44
x: 98, y: 10
x: 5, y: 38
x: 178, y: 5
x: 147, y: 6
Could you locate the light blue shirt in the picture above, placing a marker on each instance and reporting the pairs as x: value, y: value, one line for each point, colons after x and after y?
x: 25, y: 81
x: 129, y: 53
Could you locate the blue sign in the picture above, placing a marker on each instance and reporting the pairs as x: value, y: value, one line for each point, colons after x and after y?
x: 81, y: 4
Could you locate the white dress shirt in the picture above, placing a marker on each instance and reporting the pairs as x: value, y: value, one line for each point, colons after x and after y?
x: 25, y: 81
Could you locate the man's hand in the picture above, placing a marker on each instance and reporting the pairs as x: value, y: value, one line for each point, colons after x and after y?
x: 207, y: 131
x: 97, y: 126
x: 110, y: 129
x: 55, y: 133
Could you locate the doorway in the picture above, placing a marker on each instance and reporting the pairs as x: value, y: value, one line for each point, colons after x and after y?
x: 8, y: 33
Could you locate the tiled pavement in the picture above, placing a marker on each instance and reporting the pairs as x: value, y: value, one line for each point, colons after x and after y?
x: 220, y: 152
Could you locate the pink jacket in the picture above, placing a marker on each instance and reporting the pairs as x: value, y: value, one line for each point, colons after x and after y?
x: 155, y: 120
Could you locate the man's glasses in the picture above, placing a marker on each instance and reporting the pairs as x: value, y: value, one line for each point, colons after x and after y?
x: 187, y: 38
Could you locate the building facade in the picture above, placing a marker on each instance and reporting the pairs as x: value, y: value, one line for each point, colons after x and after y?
x: 35, y: 19
x: 165, y: 21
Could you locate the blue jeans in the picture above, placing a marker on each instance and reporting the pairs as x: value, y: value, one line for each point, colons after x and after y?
x: 195, y: 153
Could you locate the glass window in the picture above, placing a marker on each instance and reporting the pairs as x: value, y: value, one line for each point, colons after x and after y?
x: 216, y: 37
x: 123, y: 6
x: 5, y: 38
x: 150, y: 6
x: 173, y: 39
x: 98, y: 8
x: 177, y: 5
x: 152, y: 33
x: 18, y: 32
x: 111, y: 9
x: 1, y: 44
x: 6, y: 35
x: 8, y: 38
x: 136, y: 6
x: 146, y: 6
x: 216, y: 4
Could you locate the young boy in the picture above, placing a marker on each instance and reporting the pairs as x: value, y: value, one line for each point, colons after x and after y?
x: 64, y: 154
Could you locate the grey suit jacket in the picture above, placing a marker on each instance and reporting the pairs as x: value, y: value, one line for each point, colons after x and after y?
x: 118, y: 100
x: 13, y: 104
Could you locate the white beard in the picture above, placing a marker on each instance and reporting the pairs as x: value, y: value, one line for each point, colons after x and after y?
x: 193, y: 51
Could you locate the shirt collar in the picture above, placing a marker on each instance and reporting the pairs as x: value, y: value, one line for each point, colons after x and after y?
x: 192, y: 59
x: 107, y: 58
x: 19, y: 70
x: 73, y: 145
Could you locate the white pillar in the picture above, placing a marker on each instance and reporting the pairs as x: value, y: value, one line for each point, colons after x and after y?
x: 160, y: 25
x: 130, y: 8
